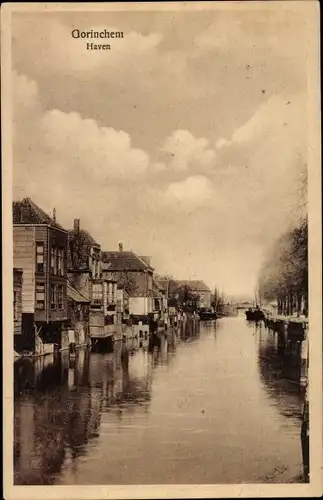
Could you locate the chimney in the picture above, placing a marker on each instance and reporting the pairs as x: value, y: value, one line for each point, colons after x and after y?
x: 120, y: 247
x: 54, y: 214
x: 77, y: 225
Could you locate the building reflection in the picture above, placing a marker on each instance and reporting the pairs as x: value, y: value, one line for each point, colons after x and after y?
x: 58, y: 406
x: 54, y: 414
x: 59, y: 400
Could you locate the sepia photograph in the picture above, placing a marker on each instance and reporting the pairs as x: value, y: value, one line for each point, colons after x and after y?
x: 162, y: 249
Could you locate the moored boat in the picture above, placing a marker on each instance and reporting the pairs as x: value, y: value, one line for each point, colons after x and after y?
x: 254, y: 314
x: 207, y: 314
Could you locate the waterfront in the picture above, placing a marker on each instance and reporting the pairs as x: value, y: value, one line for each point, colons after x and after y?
x: 218, y: 405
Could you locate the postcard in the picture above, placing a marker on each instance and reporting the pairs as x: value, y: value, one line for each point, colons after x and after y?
x: 161, y: 250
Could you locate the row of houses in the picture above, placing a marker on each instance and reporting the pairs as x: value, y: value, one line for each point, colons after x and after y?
x: 68, y: 290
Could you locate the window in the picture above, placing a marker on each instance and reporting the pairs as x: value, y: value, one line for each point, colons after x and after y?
x: 39, y: 257
x: 57, y: 261
x: 53, y: 297
x: 60, y: 261
x: 60, y: 297
x: 97, y: 294
x: 15, y: 306
x: 110, y: 294
x: 57, y: 297
x: 52, y: 261
x: 40, y: 296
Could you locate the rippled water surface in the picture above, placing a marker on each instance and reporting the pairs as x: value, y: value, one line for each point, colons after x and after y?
x: 216, y: 406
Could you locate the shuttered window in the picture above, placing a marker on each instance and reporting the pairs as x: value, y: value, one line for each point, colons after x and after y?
x: 40, y: 296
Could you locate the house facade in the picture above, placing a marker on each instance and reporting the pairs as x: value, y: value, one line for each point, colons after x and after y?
x: 85, y: 275
x: 111, y: 297
x: 40, y: 251
x: 134, y: 275
x: 78, y: 308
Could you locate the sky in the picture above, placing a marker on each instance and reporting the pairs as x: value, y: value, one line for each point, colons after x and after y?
x: 185, y: 141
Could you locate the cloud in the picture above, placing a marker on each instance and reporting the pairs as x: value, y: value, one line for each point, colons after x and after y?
x: 192, y: 192
x: 105, y: 152
x: 277, y: 113
x: 218, y: 35
x: 185, y: 152
x: 220, y: 143
x: 276, y: 127
x: 280, y: 35
x: 259, y: 169
x: 67, y: 143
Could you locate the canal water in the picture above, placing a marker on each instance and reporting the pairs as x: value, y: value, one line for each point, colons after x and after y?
x: 215, y: 406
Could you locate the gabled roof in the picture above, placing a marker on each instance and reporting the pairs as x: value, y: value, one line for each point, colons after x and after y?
x: 27, y: 212
x: 194, y: 285
x: 124, y: 261
x: 79, y: 249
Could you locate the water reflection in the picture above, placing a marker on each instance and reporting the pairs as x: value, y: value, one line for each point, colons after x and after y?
x: 159, y: 410
x: 59, y: 401
x: 279, y: 366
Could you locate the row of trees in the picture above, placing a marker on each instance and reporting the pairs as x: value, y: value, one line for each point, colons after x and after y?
x: 284, y: 275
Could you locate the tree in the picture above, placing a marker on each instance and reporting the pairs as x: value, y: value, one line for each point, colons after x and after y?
x: 128, y: 281
x: 184, y: 298
x: 215, y: 301
x: 284, y: 275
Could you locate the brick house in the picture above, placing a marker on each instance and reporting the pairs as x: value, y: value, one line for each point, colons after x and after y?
x: 85, y: 274
x: 40, y: 251
x: 134, y: 275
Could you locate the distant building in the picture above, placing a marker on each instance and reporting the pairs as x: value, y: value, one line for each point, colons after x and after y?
x: 196, y: 287
x: 40, y: 251
x: 134, y: 275
x: 85, y: 274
